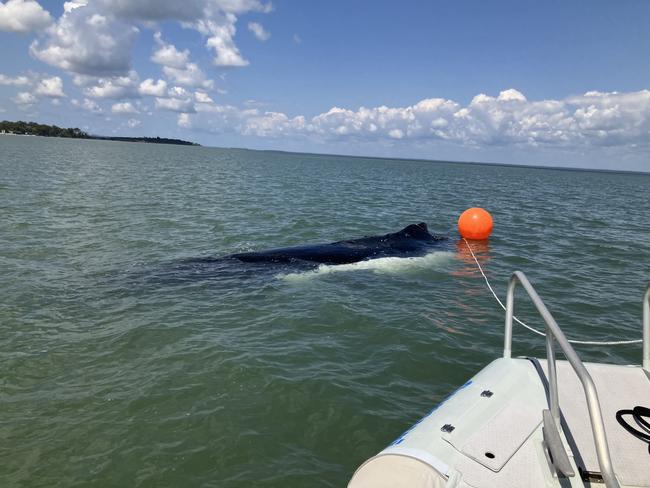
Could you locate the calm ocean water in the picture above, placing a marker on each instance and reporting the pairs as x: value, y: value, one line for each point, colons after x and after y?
x: 124, y: 365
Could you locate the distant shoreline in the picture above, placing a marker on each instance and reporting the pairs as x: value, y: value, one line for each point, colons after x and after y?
x: 146, y: 140
x: 153, y: 140
x: 21, y: 128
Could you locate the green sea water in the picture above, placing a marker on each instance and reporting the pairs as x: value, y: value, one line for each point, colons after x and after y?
x: 122, y: 365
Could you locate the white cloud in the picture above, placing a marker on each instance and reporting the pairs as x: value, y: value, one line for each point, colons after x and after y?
x: 202, y: 97
x: 154, y: 89
x: 82, y: 80
x: 184, y: 121
x: 50, y: 87
x: 86, y: 41
x: 177, y: 67
x: 25, y: 98
x: 68, y: 6
x: 258, y: 30
x: 23, y: 16
x: 175, y: 105
x: 115, y: 87
x: 133, y: 123
x: 124, y: 108
x: 271, y: 124
x: 177, y: 92
x: 297, y: 39
x: 168, y: 55
x: 155, y: 10
x: 220, y: 34
x: 190, y: 75
x: 89, y: 105
x: 15, y: 81
x: 227, y: 118
x: 511, y: 95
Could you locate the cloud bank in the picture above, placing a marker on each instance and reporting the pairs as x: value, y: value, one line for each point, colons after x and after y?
x: 592, y: 119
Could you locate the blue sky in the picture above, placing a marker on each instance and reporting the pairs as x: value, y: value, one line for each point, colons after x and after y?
x: 555, y: 83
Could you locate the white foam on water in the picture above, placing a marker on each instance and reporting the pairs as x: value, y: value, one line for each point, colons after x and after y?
x: 391, y: 265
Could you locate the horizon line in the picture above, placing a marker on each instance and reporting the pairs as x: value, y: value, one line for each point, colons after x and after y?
x: 425, y: 160
x: 386, y: 158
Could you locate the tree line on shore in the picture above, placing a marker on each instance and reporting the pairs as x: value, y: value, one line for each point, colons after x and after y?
x: 36, y: 129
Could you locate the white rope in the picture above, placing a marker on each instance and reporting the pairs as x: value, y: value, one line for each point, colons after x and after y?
x: 538, y: 332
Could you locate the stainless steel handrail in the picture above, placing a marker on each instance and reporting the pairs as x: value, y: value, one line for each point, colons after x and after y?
x: 646, y: 329
x: 555, y: 334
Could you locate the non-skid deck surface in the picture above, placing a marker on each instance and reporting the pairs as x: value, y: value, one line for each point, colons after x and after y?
x: 511, y: 433
x: 619, y: 387
x: 497, y: 441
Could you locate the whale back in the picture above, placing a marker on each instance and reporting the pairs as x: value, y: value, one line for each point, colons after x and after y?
x: 412, y: 240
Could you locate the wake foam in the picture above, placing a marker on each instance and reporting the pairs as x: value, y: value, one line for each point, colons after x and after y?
x: 390, y: 265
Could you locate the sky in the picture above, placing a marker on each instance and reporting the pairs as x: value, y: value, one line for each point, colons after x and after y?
x: 522, y: 82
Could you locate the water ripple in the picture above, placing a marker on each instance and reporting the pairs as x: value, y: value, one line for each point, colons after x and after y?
x: 130, y: 358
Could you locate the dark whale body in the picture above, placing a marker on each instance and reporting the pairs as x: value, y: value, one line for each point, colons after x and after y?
x: 413, y: 240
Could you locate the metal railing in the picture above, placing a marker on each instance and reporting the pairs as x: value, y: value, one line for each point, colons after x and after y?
x: 554, y: 334
x: 646, y: 329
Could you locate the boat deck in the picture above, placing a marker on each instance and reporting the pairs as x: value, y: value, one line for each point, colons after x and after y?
x: 489, y: 433
x: 525, y: 422
x: 514, y: 434
x: 619, y: 387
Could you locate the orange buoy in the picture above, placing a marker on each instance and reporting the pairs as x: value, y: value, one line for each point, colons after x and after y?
x: 475, y: 223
